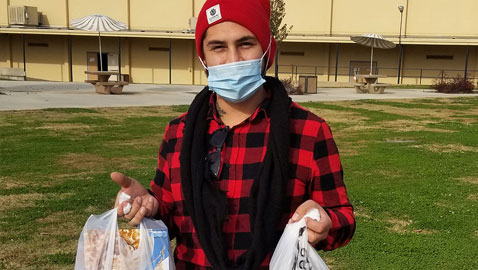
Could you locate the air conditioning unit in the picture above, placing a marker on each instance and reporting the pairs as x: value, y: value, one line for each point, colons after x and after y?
x: 192, y: 23
x: 23, y: 15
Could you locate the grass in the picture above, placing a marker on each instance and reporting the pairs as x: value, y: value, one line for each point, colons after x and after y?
x: 410, y: 86
x: 410, y: 169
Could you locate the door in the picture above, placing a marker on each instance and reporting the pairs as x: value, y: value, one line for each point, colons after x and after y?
x: 92, y: 64
x: 113, y: 65
x: 360, y: 68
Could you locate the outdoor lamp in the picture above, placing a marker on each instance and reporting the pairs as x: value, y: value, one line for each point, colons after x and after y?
x: 400, y: 8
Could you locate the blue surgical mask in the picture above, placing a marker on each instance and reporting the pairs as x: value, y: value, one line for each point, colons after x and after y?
x: 238, y: 81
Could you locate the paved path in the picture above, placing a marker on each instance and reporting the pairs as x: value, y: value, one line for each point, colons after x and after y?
x: 16, y: 95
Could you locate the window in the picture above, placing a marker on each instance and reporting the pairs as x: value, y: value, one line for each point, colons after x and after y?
x: 35, y: 44
x: 440, y: 57
x: 158, y: 49
x: 292, y: 53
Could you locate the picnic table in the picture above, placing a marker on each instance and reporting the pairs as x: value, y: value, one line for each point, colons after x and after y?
x: 371, y: 84
x: 103, y: 85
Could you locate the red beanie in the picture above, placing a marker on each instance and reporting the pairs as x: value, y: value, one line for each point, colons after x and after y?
x: 252, y: 14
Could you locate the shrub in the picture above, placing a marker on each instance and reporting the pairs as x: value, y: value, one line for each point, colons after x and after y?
x: 291, y: 88
x: 456, y: 84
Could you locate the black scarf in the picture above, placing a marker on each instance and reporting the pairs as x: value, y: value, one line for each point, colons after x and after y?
x: 206, y: 204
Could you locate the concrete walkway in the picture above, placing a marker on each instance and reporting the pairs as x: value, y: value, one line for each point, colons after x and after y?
x: 28, y: 95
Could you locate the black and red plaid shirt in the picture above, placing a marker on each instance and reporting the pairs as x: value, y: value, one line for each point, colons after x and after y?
x: 315, y: 172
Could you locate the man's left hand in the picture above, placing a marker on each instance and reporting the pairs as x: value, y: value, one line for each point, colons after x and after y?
x: 316, y: 230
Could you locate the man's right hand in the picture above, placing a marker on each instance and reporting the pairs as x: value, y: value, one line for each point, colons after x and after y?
x: 142, y: 203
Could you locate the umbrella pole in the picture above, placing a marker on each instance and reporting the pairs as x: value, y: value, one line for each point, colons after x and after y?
x: 101, y: 56
x: 371, y: 61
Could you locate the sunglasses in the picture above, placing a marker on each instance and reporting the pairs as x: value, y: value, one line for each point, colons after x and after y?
x: 213, y: 159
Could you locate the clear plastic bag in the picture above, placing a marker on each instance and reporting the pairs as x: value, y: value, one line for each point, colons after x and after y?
x: 293, y: 252
x: 101, y: 247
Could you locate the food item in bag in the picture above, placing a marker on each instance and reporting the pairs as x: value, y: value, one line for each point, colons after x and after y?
x: 103, y: 246
x: 95, y: 242
x: 131, y: 237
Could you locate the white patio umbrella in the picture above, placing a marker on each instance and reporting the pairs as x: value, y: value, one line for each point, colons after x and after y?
x: 374, y: 41
x: 98, y: 23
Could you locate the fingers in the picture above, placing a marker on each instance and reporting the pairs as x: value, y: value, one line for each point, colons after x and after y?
x: 318, y: 230
x: 121, y: 179
x: 303, y: 209
x: 147, y: 209
x: 146, y: 206
x: 134, y: 208
x: 138, y: 217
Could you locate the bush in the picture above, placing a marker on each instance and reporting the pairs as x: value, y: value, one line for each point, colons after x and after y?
x: 456, y: 84
x: 291, y: 88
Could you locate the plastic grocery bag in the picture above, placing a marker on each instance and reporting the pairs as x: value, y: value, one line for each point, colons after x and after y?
x: 293, y: 252
x: 101, y: 247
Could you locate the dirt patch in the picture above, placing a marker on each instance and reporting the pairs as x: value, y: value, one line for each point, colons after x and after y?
x: 402, y: 226
x: 348, y: 149
x: 447, y: 148
x: 118, y: 114
x: 9, y: 182
x: 88, y: 162
x: 334, y: 116
x: 150, y: 141
x: 472, y: 197
x: 58, y: 224
x: 20, y: 200
x: 361, y: 212
x: 399, y: 225
x: 411, y: 125
x: 411, y: 112
x: 27, y: 254
x: 469, y: 180
x: 64, y: 126
x: 425, y: 231
x: 332, y: 263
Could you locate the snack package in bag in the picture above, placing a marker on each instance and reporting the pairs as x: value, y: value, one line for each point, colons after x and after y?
x: 293, y: 252
x: 103, y: 246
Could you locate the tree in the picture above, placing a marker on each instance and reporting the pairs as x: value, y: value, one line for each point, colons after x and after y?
x: 278, y: 32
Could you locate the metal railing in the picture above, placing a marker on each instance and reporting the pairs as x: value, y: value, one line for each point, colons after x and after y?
x: 408, y: 75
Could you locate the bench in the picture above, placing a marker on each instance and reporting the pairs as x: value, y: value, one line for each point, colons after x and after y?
x: 14, y: 74
x: 361, y: 88
x: 378, y: 88
x: 114, y: 87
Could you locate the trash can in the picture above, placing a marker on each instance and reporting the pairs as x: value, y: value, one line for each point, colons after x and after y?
x: 125, y: 77
x: 308, y: 84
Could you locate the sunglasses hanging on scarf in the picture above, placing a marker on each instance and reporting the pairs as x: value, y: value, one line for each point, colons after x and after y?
x: 213, y: 159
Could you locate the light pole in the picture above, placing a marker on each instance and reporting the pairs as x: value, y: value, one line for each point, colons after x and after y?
x: 400, y: 8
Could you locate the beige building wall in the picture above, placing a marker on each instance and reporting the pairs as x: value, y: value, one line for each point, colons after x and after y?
x: 82, y: 45
x: 46, y: 58
x: 318, y: 25
x: 182, y: 63
x: 116, y: 9
x: 149, y: 60
x: 415, y: 63
x: 309, y: 16
x: 5, y: 51
x: 161, y: 14
x: 3, y: 12
x: 442, y: 18
x: 54, y: 12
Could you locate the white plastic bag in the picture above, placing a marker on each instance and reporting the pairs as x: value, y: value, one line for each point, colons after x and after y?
x: 102, y: 248
x: 293, y: 252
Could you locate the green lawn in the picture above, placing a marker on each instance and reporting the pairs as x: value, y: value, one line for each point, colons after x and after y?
x: 411, y: 169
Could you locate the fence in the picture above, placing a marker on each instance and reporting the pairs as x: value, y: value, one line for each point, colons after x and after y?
x: 347, y: 74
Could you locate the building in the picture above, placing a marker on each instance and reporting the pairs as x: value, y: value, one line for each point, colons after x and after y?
x: 438, y: 38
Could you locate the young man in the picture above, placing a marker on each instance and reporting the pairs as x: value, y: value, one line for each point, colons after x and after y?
x: 244, y: 160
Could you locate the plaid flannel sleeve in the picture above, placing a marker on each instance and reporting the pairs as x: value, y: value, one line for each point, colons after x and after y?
x: 328, y: 189
x: 161, y: 185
